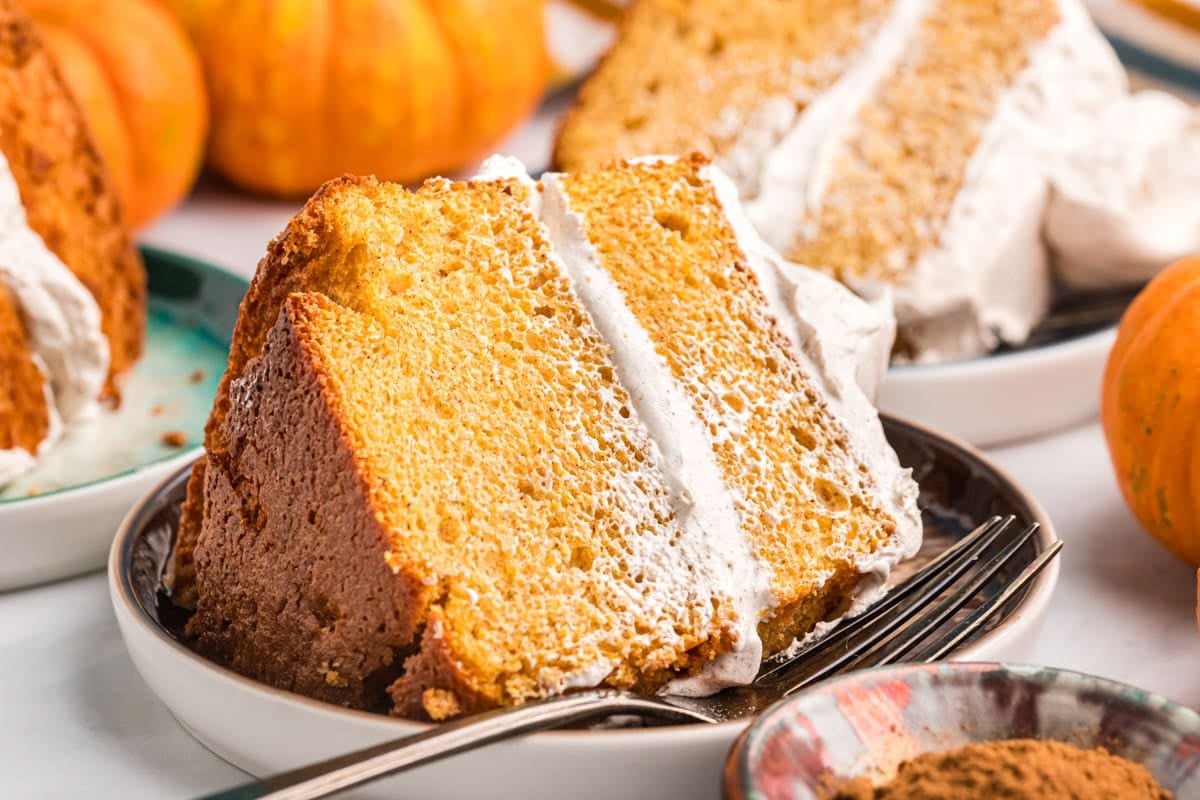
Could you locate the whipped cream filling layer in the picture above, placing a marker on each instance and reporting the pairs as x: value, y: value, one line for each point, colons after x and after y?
x: 62, y: 322
x: 844, y: 343
x: 711, y: 558
x: 1126, y: 202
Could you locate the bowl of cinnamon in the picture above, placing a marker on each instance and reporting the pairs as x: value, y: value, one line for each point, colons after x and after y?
x: 958, y: 731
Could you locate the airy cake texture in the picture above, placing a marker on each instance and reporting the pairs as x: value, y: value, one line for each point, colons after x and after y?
x: 490, y: 441
x: 73, y: 286
x: 920, y: 158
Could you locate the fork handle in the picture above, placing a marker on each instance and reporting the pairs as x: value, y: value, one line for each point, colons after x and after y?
x: 440, y: 741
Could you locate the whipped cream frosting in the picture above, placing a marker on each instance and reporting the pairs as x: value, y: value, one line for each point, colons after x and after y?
x: 1126, y: 202
x: 843, y: 343
x: 62, y: 321
x: 796, y: 171
x: 965, y: 296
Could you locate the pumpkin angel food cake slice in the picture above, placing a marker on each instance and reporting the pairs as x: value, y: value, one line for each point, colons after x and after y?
x: 495, y: 440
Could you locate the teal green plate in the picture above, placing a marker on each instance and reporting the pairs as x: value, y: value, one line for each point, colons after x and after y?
x: 59, y: 519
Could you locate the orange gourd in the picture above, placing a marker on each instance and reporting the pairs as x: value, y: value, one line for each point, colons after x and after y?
x: 138, y: 80
x: 305, y: 90
x: 1149, y: 405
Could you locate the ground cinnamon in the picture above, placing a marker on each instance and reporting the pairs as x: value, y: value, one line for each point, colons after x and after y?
x: 1021, y: 769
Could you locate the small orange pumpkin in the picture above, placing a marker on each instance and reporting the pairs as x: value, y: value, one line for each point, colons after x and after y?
x: 1151, y: 384
x: 139, y: 83
x: 305, y: 90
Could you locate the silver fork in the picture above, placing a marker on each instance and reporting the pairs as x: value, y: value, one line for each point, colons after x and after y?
x: 897, y: 627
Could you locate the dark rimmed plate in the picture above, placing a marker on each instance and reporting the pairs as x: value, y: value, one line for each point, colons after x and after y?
x: 265, y: 730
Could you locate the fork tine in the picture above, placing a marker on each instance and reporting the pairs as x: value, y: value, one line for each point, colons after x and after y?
x: 925, y: 624
x: 875, y: 625
x: 946, y: 643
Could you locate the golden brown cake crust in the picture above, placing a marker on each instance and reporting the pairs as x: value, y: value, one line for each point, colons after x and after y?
x: 65, y: 188
x: 293, y: 586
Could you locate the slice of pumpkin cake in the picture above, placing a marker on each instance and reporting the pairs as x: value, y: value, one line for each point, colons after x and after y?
x: 479, y: 444
x: 928, y: 167
x: 724, y: 77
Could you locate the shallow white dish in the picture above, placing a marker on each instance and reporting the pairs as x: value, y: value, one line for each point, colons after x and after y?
x: 263, y: 730
x: 1006, y: 396
x: 59, y: 520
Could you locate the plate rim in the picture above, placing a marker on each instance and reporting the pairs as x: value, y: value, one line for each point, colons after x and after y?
x: 1000, y: 361
x: 83, y: 490
x: 129, y: 610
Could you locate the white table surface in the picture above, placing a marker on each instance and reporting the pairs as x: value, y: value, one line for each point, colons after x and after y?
x: 77, y: 721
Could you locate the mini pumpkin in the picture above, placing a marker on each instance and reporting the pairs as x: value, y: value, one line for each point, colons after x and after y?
x: 305, y: 90
x: 1150, y: 385
x: 138, y: 81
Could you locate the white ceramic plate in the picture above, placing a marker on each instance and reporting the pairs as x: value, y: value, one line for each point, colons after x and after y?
x: 1006, y: 396
x: 59, y: 520
x: 1051, y: 381
x: 263, y: 730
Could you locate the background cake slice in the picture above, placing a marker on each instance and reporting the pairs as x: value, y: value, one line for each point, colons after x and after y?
x: 931, y: 171
x: 724, y: 77
x: 67, y: 262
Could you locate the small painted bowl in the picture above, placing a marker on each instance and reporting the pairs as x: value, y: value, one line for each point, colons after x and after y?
x: 867, y: 723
